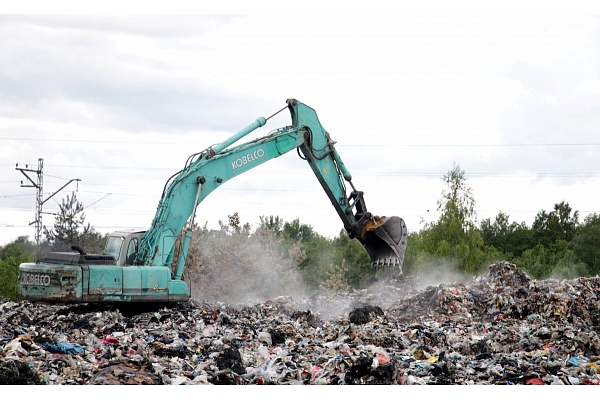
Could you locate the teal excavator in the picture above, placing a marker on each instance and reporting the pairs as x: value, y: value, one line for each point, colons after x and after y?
x: 139, y: 266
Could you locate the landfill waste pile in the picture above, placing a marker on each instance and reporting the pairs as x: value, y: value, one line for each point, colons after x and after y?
x: 501, y: 328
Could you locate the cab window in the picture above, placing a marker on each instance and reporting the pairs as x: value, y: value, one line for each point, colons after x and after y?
x: 113, y: 246
x: 132, y: 250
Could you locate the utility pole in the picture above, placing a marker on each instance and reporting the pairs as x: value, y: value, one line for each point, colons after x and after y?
x: 38, y: 198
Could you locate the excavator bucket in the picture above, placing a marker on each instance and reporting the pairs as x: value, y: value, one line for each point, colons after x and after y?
x: 385, y: 240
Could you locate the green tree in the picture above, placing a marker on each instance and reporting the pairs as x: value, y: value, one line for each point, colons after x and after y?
x: 337, y: 279
x: 509, y: 238
x: 318, y: 251
x: 273, y: 223
x: 568, y: 266
x: 70, y: 228
x: 496, y: 233
x: 296, y: 230
x: 352, y: 255
x: 11, y: 256
x: 413, y: 253
x: 22, y: 245
x: 454, y: 236
x: 537, y: 262
x: 559, y: 224
x: 553, y: 253
x: 586, y: 243
x: 93, y: 242
x: 520, y: 238
x: 319, y: 254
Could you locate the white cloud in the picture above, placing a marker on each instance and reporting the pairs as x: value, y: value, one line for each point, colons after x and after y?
x: 120, y: 102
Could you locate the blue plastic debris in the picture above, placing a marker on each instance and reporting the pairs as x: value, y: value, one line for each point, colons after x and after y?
x: 63, y: 348
x: 575, y: 361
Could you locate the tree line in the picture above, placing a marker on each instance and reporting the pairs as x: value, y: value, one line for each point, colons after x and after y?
x: 223, y: 262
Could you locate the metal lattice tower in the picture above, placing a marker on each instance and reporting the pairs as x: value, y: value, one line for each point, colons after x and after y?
x: 38, y: 205
x: 39, y: 185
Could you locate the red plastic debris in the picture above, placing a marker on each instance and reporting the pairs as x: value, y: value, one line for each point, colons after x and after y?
x: 534, y: 381
x: 315, y: 370
x: 110, y: 340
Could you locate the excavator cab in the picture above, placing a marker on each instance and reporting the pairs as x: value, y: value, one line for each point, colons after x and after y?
x: 124, y: 245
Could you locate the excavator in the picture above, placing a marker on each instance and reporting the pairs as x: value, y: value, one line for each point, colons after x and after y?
x: 148, y: 266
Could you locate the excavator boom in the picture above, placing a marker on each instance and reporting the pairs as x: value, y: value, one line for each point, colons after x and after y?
x: 136, y: 266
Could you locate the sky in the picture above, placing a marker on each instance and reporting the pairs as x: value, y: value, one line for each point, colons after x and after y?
x: 119, y: 102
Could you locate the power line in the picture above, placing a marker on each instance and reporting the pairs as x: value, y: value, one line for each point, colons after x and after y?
x: 337, y: 145
x: 366, y: 173
x: 469, y: 145
x: 220, y: 190
x: 14, y: 195
x: 108, y: 194
x: 58, y: 177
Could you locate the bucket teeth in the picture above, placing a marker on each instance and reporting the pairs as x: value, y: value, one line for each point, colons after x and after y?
x: 386, y: 262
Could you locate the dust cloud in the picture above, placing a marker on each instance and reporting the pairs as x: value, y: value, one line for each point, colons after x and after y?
x: 236, y: 267
x: 439, y: 271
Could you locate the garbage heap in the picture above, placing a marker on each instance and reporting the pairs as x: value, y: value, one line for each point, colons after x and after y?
x: 502, y: 328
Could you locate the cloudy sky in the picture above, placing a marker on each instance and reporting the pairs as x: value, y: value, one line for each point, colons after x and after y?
x: 120, y: 102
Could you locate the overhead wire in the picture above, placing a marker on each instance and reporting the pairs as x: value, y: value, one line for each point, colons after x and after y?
x: 190, y: 160
x: 175, y: 143
x: 287, y: 172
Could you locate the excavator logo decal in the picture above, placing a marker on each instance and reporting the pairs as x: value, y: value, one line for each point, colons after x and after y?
x: 238, y: 162
x: 36, y: 279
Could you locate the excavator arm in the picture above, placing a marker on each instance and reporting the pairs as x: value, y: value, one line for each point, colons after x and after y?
x: 66, y: 277
x: 383, y: 238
